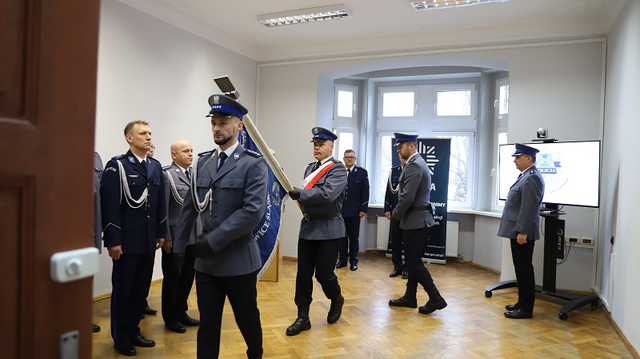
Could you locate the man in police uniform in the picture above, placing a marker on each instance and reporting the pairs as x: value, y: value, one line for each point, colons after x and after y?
x: 147, y: 308
x: 97, y: 227
x: 320, y: 230
x: 225, y: 203
x: 414, y: 212
x: 356, y: 204
x: 395, y: 235
x: 177, y: 269
x: 519, y: 223
x: 133, y: 218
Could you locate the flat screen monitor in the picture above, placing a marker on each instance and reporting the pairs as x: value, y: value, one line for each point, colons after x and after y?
x: 571, y: 172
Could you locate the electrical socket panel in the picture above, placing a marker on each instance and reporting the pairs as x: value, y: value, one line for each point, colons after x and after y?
x: 581, y: 242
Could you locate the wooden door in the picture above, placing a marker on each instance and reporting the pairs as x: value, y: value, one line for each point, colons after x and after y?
x: 48, y: 63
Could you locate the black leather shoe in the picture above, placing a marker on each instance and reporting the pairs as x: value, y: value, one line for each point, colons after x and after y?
x: 518, y: 314
x: 353, y: 267
x: 186, y: 320
x: 176, y: 327
x: 299, y: 325
x: 405, y: 275
x: 335, y: 310
x: 150, y: 311
x: 129, y: 351
x: 511, y: 307
x: 403, y: 302
x: 395, y: 273
x: 433, y: 305
x: 95, y: 328
x: 143, y: 342
x: 341, y: 265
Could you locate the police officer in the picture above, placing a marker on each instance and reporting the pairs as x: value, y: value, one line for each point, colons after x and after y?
x: 395, y: 235
x: 177, y: 269
x: 356, y: 204
x: 320, y: 230
x: 133, y: 217
x: 415, y: 216
x: 519, y: 223
x: 225, y: 203
x: 97, y: 227
x: 147, y: 308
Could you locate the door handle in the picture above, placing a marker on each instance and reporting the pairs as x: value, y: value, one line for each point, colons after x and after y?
x: 73, y: 265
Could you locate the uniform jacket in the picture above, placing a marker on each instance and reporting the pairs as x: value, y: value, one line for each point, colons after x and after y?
x: 175, y: 192
x: 97, y: 226
x: 413, y: 195
x: 238, y: 202
x: 520, y: 213
x: 391, y: 198
x: 136, y: 229
x: 322, y: 204
x: 356, y: 195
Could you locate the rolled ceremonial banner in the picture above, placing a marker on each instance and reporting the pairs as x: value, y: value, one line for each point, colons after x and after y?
x: 267, y: 153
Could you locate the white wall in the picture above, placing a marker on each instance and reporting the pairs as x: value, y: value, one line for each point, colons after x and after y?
x: 150, y: 70
x: 558, y: 86
x: 618, y: 264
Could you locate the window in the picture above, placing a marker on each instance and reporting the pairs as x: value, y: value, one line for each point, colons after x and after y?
x: 345, y: 142
x: 453, y: 103
x: 398, y: 104
x: 345, y: 103
x: 503, y: 100
x: 460, y: 169
x: 383, y: 166
x: 502, y: 140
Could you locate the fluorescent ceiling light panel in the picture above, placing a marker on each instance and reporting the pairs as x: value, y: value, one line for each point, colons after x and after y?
x: 300, y: 16
x: 423, y: 5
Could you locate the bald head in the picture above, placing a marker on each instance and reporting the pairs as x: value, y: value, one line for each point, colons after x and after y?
x: 182, y: 153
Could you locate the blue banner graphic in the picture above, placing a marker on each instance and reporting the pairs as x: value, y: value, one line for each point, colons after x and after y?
x: 266, y: 233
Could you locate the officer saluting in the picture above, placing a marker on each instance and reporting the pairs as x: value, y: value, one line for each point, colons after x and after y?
x: 413, y: 212
x: 320, y: 230
x: 225, y: 203
x: 133, y: 217
x: 519, y: 222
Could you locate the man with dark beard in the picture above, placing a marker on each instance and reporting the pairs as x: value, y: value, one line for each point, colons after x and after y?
x: 225, y: 203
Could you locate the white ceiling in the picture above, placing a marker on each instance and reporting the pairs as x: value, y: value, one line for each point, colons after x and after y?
x: 378, y: 26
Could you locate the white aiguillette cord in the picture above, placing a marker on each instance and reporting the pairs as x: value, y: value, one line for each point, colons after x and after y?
x: 126, y: 193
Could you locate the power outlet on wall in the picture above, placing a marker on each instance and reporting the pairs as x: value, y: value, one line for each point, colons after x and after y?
x: 587, y: 242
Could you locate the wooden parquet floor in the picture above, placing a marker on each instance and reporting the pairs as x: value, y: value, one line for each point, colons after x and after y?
x: 472, y: 326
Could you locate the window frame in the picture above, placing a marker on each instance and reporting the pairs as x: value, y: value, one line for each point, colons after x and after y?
x: 471, y: 179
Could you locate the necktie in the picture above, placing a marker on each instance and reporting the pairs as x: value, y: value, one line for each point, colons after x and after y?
x: 188, y: 173
x: 223, y: 157
x: 144, y: 164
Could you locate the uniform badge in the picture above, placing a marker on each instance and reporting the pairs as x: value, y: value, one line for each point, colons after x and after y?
x: 236, y: 156
x: 315, y: 131
x: 131, y: 160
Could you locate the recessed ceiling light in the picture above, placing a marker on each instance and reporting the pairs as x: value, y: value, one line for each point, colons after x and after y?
x: 422, y: 5
x: 300, y: 16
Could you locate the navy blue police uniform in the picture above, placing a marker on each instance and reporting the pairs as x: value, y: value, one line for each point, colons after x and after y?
x: 133, y: 216
x: 395, y: 235
x: 356, y: 200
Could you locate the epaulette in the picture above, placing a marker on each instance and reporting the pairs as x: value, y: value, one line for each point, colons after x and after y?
x: 253, y: 153
x: 119, y: 157
x: 153, y: 159
x: 166, y: 168
x: 208, y: 153
x: 312, y: 163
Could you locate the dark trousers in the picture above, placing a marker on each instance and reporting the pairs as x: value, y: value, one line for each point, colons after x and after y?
x: 242, y: 294
x: 148, y: 288
x: 415, y: 240
x: 178, y: 271
x: 130, y: 277
x: 523, y: 265
x: 397, y: 245
x: 317, y: 256
x: 350, y: 245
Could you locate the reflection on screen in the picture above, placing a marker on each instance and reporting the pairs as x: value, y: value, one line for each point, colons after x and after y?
x: 571, y: 171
